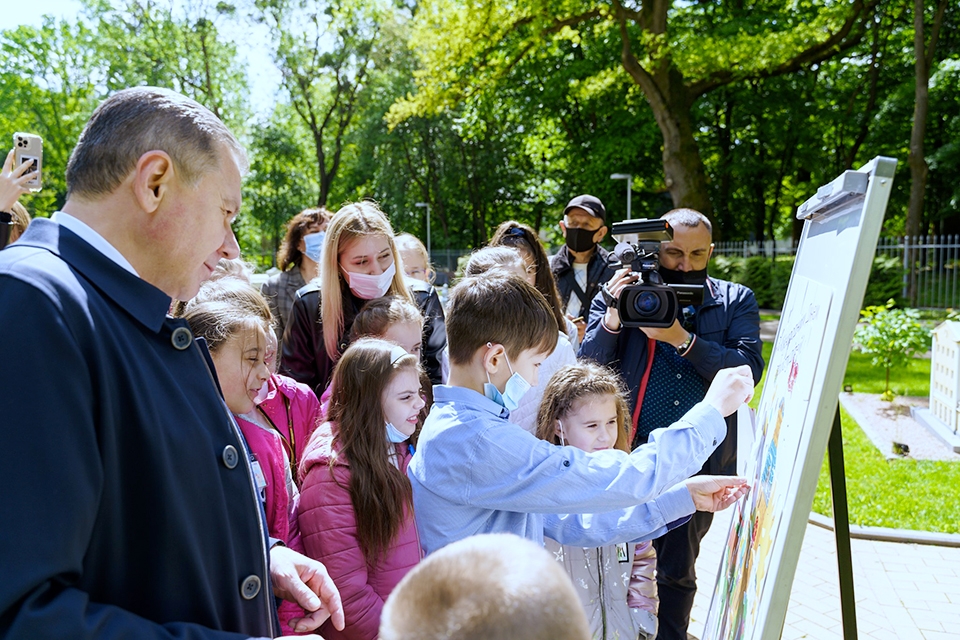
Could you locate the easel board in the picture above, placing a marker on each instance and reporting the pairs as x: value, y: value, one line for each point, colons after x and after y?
x: 798, y: 403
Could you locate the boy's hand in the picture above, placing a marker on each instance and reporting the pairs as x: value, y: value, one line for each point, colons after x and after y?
x: 715, y: 493
x: 729, y: 389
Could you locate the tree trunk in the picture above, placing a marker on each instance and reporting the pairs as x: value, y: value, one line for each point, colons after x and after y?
x: 924, y: 58
x: 915, y: 159
x: 683, y: 170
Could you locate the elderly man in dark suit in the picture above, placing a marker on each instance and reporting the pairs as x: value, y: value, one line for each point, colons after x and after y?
x: 128, y: 508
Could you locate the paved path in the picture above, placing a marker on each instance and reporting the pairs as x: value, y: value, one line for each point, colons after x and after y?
x: 903, y: 591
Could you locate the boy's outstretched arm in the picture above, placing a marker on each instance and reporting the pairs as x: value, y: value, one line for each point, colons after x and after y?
x: 716, y: 493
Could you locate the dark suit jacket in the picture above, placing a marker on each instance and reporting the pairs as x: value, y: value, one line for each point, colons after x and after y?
x: 128, y: 508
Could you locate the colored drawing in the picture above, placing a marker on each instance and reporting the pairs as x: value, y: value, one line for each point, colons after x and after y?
x: 780, y: 419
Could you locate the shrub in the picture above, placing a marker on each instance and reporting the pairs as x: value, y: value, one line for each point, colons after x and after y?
x: 886, y: 282
x: 768, y: 279
x: 726, y: 268
x: 892, y: 336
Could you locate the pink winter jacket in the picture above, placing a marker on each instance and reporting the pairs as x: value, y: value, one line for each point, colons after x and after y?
x: 279, y: 505
x: 329, y: 530
x: 295, y: 425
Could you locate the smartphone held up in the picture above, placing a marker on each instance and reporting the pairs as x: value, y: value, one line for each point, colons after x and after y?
x: 28, y: 147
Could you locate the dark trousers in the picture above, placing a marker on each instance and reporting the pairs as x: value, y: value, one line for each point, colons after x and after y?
x: 677, y: 552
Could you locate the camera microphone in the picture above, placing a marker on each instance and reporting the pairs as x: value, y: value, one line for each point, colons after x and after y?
x: 625, y: 253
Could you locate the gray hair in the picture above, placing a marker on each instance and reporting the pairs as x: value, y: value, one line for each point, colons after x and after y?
x: 134, y: 121
x: 687, y: 218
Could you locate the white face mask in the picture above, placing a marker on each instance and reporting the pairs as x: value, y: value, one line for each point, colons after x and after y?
x: 371, y: 287
x: 394, y: 435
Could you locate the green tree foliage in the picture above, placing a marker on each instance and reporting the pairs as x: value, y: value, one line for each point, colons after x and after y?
x: 162, y: 44
x: 489, y: 110
x: 892, y: 336
x: 49, y: 88
x: 281, y: 183
x: 675, y: 53
x: 324, y: 54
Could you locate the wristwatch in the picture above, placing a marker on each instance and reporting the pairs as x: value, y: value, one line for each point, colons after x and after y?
x: 682, y: 349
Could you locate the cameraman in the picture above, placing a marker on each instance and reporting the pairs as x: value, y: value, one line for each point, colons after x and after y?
x: 668, y: 371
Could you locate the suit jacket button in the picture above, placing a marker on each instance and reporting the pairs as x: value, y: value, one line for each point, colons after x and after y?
x: 230, y: 456
x: 250, y: 587
x: 181, y: 338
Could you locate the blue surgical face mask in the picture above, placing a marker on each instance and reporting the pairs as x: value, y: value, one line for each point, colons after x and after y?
x: 395, y: 435
x: 313, y: 245
x: 516, y: 387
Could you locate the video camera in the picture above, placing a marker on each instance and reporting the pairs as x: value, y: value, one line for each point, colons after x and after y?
x: 650, y: 302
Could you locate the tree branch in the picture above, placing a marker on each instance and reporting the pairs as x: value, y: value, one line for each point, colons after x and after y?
x: 841, y: 40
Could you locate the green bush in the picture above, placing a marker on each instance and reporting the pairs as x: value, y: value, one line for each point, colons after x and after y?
x: 726, y: 268
x: 892, y: 337
x: 768, y: 279
x: 886, y: 282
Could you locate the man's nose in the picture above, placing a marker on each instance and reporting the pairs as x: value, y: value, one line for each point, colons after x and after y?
x: 230, y: 249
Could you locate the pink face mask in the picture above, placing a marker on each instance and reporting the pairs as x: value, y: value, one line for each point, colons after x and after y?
x: 370, y: 287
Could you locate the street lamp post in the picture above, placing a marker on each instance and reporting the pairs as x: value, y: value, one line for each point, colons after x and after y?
x: 427, y: 205
x: 629, y: 178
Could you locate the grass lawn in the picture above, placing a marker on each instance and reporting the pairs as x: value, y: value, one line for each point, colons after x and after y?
x: 902, y: 494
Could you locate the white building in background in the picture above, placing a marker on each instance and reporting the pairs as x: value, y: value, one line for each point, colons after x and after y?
x: 945, y: 374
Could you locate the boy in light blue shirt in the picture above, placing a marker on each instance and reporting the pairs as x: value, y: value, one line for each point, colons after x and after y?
x: 475, y: 472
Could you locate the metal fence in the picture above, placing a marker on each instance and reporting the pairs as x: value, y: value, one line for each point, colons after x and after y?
x: 936, y: 264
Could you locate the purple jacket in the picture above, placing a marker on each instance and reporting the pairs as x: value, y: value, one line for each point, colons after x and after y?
x: 328, y: 528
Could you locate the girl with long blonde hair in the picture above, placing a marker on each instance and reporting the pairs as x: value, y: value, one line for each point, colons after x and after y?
x: 360, y: 262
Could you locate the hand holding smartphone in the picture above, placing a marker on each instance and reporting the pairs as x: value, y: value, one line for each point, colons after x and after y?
x: 28, y: 147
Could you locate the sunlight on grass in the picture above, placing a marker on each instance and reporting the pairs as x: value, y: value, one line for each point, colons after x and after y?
x: 900, y: 494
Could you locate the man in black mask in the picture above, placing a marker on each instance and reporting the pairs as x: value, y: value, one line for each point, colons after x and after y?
x: 580, y: 267
x: 667, y: 371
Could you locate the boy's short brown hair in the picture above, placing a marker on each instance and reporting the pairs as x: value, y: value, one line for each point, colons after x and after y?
x: 520, y: 593
x: 500, y: 308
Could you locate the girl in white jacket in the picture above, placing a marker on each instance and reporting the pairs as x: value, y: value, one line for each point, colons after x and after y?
x: 583, y: 406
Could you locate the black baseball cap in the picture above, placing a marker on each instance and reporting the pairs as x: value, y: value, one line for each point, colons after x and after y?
x: 590, y: 204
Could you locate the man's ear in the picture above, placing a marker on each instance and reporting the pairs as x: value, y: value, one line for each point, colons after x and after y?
x: 603, y: 233
x: 563, y: 228
x: 710, y: 252
x: 152, y: 179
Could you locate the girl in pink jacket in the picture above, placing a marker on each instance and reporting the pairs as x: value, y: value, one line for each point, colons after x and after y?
x: 356, y: 503
x: 235, y: 322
